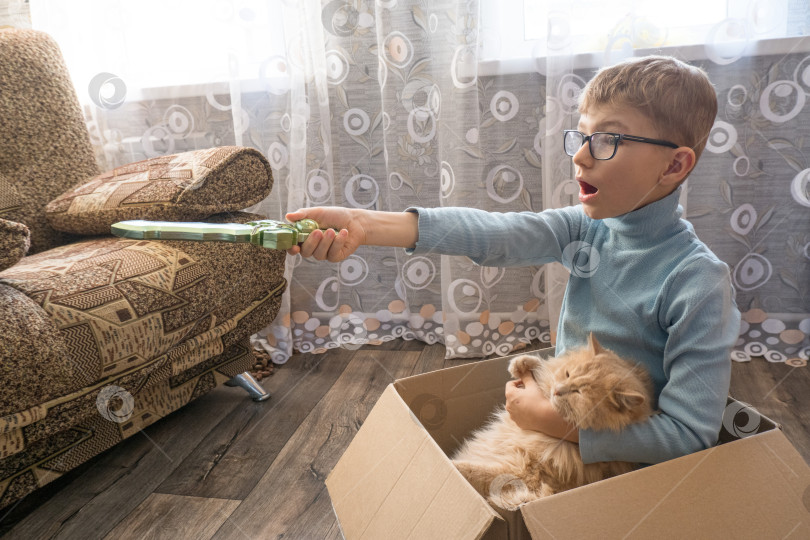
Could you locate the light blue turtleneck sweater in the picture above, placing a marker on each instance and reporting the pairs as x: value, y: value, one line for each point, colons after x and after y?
x: 647, y: 288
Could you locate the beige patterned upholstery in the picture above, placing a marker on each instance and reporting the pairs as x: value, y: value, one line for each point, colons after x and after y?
x: 44, y: 145
x: 102, y: 336
x: 181, y: 187
x: 15, y: 240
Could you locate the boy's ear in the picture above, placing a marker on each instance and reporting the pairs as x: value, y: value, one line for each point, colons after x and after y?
x: 683, y: 161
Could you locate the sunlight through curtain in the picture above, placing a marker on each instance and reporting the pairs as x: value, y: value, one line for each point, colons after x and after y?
x: 388, y: 104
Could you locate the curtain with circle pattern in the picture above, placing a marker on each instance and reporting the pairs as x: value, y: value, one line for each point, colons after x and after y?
x: 384, y: 104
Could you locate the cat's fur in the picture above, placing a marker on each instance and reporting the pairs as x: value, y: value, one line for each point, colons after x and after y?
x: 590, y: 387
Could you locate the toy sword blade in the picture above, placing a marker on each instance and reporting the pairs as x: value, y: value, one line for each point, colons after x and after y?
x: 265, y: 233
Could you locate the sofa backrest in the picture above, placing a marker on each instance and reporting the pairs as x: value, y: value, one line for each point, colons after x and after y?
x: 44, y: 145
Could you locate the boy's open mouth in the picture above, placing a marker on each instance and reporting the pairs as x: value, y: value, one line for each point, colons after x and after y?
x: 586, y: 189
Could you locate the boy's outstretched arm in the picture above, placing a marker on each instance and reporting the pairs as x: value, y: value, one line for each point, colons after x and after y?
x: 357, y: 227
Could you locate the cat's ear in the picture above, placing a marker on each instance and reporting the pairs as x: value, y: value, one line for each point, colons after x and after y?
x: 627, y: 400
x: 594, y: 345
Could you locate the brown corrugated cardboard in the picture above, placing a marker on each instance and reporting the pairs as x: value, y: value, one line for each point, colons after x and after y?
x: 744, y: 489
x: 396, y: 481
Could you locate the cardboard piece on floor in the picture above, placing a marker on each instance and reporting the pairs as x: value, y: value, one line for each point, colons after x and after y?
x: 396, y: 481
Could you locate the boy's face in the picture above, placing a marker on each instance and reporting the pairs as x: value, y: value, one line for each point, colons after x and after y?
x: 630, y: 179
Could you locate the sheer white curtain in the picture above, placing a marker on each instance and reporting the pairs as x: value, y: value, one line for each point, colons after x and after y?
x: 393, y: 103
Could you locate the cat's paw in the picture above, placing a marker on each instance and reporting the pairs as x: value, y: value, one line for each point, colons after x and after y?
x: 478, y: 475
x: 522, y: 365
x: 510, y: 495
x: 501, y: 503
x: 545, y: 491
x: 466, y: 468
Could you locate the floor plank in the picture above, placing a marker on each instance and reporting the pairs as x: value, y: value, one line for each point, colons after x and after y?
x: 124, y: 476
x: 174, y: 516
x: 291, y: 496
x: 230, y: 460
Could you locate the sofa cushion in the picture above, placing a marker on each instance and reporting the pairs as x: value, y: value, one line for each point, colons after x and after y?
x: 15, y: 239
x: 44, y: 145
x: 123, y: 306
x: 182, y: 187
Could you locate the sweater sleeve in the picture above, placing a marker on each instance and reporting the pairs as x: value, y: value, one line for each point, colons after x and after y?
x: 498, y: 239
x: 702, y: 322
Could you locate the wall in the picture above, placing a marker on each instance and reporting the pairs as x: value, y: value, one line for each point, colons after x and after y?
x: 15, y: 13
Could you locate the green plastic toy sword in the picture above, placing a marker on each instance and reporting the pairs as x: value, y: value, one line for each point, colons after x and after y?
x: 265, y: 233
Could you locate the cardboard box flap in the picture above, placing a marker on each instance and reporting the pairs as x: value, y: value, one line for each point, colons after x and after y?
x: 757, y: 487
x: 393, y: 481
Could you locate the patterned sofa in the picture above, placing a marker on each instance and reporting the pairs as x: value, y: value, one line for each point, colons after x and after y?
x: 102, y: 336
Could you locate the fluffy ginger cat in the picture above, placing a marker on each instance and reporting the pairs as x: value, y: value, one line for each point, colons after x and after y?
x: 590, y: 387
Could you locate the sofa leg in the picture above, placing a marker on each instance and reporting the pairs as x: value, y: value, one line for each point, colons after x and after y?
x: 249, y: 383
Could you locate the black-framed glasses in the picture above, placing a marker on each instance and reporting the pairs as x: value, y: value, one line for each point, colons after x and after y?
x: 603, y: 145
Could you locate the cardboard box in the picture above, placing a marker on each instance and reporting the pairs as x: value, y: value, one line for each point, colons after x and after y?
x: 396, y: 481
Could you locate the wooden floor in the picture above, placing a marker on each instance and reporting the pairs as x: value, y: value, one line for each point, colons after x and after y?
x: 226, y: 467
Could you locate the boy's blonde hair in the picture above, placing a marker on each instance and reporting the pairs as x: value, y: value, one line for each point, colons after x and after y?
x: 679, y: 99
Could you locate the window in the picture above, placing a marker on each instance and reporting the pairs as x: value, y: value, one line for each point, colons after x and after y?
x: 176, y: 43
x: 724, y: 27
x: 162, y: 43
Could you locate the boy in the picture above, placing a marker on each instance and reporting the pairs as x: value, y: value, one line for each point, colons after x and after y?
x: 658, y: 295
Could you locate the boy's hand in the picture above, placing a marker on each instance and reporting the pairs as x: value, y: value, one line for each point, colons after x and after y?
x: 357, y: 227
x: 530, y: 410
x: 328, y: 245
x: 524, y: 402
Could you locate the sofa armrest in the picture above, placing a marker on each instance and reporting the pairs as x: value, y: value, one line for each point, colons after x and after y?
x: 34, y: 364
x: 15, y: 239
x: 182, y: 187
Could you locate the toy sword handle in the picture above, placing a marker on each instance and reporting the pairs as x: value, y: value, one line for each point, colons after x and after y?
x: 266, y: 233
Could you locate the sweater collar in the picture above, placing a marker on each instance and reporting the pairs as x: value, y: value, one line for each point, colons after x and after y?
x: 650, y: 219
